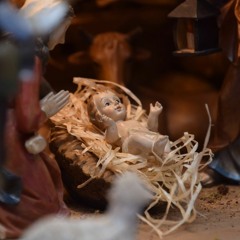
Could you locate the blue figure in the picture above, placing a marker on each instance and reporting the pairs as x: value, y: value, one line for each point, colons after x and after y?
x: 16, y: 63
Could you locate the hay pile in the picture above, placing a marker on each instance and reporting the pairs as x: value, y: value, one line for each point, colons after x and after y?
x: 173, y: 179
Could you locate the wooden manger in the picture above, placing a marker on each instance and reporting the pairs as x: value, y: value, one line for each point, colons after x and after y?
x: 89, y: 164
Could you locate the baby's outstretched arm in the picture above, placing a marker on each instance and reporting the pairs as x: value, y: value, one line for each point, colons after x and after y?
x: 111, y: 129
x: 154, y: 112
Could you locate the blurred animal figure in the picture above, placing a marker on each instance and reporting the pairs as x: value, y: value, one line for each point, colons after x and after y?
x: 127, y: 197
x: 111, y: 51
x: 104, y: 3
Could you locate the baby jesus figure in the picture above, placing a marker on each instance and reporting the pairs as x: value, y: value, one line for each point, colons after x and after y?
x: 107, y: 112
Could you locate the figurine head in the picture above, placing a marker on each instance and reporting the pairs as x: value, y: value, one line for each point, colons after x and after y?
x: 105, y: 103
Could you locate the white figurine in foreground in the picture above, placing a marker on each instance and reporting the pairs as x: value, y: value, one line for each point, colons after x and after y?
x: 107, y: 112
x: 127, y: 197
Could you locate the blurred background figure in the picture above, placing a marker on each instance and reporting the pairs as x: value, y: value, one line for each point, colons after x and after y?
x: 127, y: 198
x: 31, y: 182
x: 225, y: 142
x: 11, y: 72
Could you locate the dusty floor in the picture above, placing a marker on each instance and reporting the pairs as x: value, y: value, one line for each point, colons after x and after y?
x: 218, y: 218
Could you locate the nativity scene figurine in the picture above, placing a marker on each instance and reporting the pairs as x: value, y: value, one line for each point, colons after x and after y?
x: 107, y: 111
x: 23, y: 149
x: 104, y: 131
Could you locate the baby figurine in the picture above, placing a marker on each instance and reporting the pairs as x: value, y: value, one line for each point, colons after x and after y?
x: 107, y: 112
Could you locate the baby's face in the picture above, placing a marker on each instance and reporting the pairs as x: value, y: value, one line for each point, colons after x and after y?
x: 110, y: 105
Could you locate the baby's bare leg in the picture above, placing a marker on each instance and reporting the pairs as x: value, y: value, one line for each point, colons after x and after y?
x: 144, y: 145
x: 161, y: 146
x: 139, y: 144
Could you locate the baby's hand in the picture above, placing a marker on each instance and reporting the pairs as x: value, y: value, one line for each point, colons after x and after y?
x: 107, y: 121
x: 157, y: 108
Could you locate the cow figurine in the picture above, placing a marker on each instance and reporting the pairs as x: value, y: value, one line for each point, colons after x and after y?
x: 111, y: 51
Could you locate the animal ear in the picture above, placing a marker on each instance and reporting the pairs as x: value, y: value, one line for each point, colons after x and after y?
x: 79, y: 58
x: 141, y: 54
